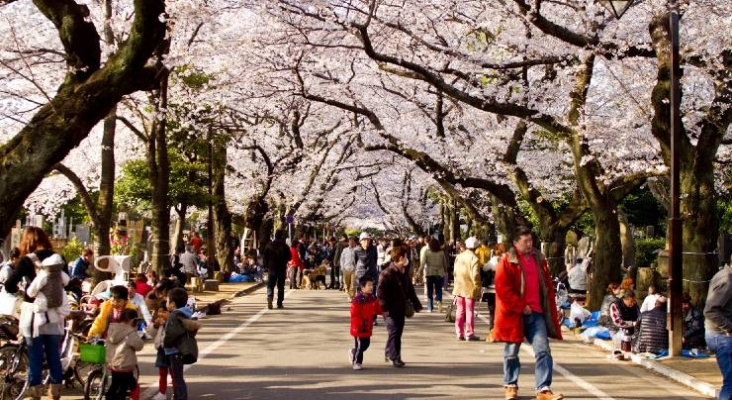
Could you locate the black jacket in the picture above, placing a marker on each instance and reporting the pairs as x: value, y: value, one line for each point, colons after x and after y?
x: 276, y: 256
x: 25, y: 269
x: 394, y: 289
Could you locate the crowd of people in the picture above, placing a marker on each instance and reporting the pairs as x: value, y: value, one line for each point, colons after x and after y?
x: 51, y: 289
x: 378, y: 277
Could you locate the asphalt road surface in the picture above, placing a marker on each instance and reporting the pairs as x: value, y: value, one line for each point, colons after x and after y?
x: 301, y: 352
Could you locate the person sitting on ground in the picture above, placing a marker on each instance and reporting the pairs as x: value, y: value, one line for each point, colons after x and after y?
x: 652, y: 333
x: 139, y: 301
x: 692, y: 321
x: 142, y: 287
x: 611, y: 296
x: 80, y: 270
x: 649, y: 303
x: 577, y: 275
x: 624, y: 313
x: 110, y: 311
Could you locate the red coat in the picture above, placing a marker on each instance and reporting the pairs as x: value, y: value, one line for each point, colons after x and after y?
x: 510, y: 303
x: 295, y: 260
x: 363, y: 309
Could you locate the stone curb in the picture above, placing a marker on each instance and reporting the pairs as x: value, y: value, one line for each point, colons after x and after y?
x: 228, y: 299
x: 681, y: 377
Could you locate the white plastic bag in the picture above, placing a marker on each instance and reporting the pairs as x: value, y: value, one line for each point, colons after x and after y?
x: 577, y: 312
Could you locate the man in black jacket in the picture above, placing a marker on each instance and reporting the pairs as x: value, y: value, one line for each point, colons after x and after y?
x: 275, y: 258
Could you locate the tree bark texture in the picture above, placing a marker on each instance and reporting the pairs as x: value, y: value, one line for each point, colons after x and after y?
x: 87, y: 95
x: 222, y: 216
x: 159, y: 169
x: 699, y: 197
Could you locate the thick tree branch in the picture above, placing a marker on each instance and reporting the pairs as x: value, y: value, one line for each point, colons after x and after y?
x: 77, y: 33
x: 84, y: 195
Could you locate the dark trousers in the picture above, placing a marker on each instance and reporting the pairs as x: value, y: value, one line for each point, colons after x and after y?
x: 180, y: 389
x: 361, y: 344
x: 434, y: 287
x: 395, y: 328
x: 122, y: 384
x: 335, y: 273
x: 276, y: 278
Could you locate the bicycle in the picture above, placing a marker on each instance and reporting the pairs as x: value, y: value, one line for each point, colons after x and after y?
x: 14, y: 363
x: 99, y: 380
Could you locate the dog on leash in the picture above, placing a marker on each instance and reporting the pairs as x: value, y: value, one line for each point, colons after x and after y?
x: 314, y: 277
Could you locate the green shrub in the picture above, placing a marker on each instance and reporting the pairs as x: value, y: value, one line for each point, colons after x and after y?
x: 72, y: 250
x: 646, y: 251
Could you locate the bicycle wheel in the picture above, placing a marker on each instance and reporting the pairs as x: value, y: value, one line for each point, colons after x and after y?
x: 14, y: 372
x: 81, y: 372
x: 96, y: 384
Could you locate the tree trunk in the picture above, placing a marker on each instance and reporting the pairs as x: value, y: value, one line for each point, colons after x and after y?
x: 505, y: 219
x: 608, y: 253
x: 553, y: 245
x: 698, y: 206
x: 159, y: 164
x: 222, y: 216
x: 182, y: 210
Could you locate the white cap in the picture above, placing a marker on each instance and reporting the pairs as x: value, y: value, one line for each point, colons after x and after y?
x: 471, y: 242
x: 54, y: 259
x: 364, y: 235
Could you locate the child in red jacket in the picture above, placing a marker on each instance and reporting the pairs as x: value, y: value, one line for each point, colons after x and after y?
x: 364, y: 307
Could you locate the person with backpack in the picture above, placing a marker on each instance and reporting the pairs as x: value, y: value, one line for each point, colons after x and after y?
x: 178, y: 327
x: 42, y: 332
x: 122, y: 344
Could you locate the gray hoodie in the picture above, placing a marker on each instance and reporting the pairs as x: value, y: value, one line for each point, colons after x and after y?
x: 718, y: 308
x: 122, y: 343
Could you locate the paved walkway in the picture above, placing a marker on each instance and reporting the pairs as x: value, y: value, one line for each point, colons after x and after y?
x: 299, y: 353
x: 701, y: 375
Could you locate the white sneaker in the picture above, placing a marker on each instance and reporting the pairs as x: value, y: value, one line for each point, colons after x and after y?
x: 351, y: 355
x: 160, y: 396
x: 357, y: 366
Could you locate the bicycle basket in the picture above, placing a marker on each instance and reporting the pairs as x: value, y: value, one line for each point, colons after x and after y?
x: 92, y: 353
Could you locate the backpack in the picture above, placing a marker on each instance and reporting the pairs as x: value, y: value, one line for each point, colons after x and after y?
x: 54, y: 287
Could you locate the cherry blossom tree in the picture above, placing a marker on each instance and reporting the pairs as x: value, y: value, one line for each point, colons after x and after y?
x: 71, y: 100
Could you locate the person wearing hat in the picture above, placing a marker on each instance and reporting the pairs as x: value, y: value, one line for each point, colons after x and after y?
x: 42, y: 332
x: 366, y: 258
x: 525, y: 309
x: 466, y: 290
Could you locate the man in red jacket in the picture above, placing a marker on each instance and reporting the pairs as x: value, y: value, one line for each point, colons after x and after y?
x: 525, y: 308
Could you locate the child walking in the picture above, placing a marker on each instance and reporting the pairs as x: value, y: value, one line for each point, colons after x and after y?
x: 178, y: 324
x: 156, y: 330
x: 122, y: 343
x: 364, y: 308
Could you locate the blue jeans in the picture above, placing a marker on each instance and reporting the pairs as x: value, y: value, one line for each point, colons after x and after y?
x: 722, y: 346
x: 535, y: 333
x: 434, y: 285
x: 276, y: 279
x: 48, y: 346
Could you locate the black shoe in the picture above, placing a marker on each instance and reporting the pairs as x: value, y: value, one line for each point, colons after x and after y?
x: 461, y: 338
x: 398, y: 363
x: 280, y: 306
x: 269, y: 304
x: 472, y: 338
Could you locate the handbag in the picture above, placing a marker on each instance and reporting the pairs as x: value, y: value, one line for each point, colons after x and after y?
x: 409, y: 310
x: 188, y: 349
